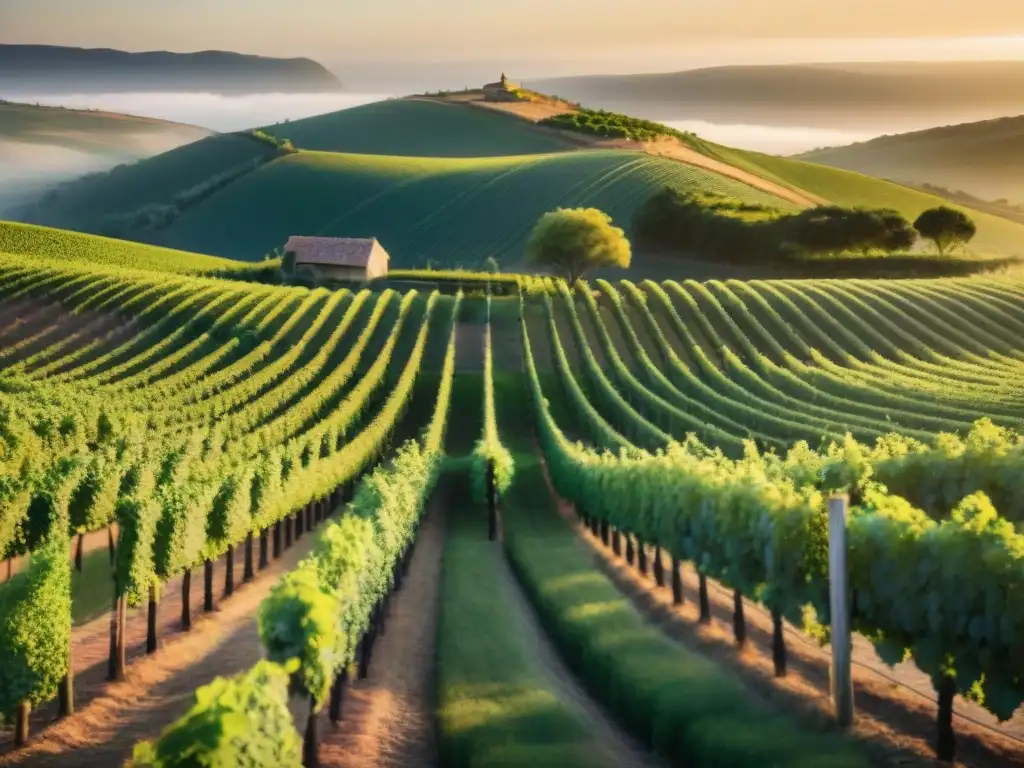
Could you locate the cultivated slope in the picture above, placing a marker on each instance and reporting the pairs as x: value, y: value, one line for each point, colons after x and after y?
x: 452, y: 211
x: 44, y: 242
x: 985, y: 159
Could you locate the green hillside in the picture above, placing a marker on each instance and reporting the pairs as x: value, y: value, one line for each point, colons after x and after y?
x: 452, y: 211
x: 157, y: 180
x: 447, y: 183
x: 985, y: 159
x: 44, y: 242
x: 413, y: 128
x: 996, y: 235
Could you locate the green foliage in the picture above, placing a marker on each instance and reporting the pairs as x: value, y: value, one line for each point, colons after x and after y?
x: 612, y: 125
x: 574, y: 241
x: 138, y: 515
x: 230, y: 517
x: 489, y: 451
x: 181, y: 531
x: 299, y: 620
x: 946, y: 227
x: 711, y: 226
x: 242, y: 721
x: 35, y: 627
x: 92, y: 503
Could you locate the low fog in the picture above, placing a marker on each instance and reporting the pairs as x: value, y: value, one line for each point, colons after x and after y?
x: 213, y: 111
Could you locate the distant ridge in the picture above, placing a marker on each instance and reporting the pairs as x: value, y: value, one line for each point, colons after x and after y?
x: 47, y: 68
x: 984, y: 159
x: 807, y: 94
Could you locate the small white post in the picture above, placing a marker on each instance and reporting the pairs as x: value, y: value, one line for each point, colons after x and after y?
x: 841, y: 679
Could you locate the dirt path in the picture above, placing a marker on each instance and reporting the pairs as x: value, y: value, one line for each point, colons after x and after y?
x: 622, y: 749
x: 161, y: 686
x: 675, y: 150
x: 534, y: 112
x: 897, y: 723
x: 388, y: 718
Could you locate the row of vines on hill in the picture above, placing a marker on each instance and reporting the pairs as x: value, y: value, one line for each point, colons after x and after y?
x: 252, y: 443
x: 320, y: 622
x: 930, y: 585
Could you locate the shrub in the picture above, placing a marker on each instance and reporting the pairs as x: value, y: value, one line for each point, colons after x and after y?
x: 243, y: 720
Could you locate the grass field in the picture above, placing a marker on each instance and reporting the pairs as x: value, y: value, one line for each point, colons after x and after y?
x: 44, y: 242
x: 455, y: 212
x: 412, y: 128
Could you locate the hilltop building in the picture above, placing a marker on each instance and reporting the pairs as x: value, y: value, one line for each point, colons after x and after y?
x: 351, y: 259
x: 503, y: 90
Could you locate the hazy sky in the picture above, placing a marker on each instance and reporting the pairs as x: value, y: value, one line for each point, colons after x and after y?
x: 534, y: 37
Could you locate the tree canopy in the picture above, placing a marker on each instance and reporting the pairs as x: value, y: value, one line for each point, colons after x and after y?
x: 946, y: 227
x: 573, y: 241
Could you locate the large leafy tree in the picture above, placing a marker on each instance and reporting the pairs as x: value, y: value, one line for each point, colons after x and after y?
x: 573, y: 241
x: 946, y: 227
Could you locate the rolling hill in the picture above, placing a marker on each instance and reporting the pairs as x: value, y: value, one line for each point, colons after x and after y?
x: 446, y: 183
x: 41, y: 146
x: 984, y: 159
x: 449, y: 210
x: 58, y: 69
x: 158, y: 180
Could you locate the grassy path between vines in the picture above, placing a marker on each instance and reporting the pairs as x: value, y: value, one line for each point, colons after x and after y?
x: 506, y: 698
x: 161, y: 687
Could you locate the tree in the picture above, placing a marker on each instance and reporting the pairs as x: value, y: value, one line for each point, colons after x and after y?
x: 896, y: 233
x: 946, y: 227
x: 491, y: 265
x: 575, y: 240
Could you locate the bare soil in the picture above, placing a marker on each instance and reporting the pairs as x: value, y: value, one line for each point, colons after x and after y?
x: 388, y: 717
x: 896, y: 709
x: 112, y: 717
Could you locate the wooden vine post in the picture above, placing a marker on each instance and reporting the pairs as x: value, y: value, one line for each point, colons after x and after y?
x: 841, y: 678
x: 492, y: 503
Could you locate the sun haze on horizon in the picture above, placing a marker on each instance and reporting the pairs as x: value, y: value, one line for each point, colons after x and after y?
x: 533, y: 36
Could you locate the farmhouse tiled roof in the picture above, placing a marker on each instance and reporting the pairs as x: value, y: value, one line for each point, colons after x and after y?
x: 336, y: 251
